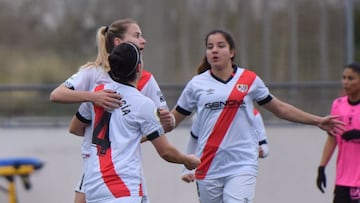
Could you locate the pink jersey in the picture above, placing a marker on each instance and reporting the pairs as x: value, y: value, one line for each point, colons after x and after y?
x: 348, y: 159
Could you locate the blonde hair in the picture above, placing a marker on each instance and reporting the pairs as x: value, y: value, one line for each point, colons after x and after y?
x: 105, y: 42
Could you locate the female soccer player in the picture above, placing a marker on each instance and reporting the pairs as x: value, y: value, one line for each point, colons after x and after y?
x: 223, y: 97
x: 347, y: 182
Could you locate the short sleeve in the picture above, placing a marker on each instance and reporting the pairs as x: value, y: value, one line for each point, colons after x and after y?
x: 152, y: 90
x: 84, y: 111
x: 83, y: 80
x: 148, y: 119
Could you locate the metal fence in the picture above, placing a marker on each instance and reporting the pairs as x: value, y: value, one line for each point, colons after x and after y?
x: 29, y: 105
x: 298, y: 47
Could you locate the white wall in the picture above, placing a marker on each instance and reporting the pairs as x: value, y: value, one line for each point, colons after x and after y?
x: 287, y: 175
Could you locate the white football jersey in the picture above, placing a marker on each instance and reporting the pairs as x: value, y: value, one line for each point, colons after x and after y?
x: 236, y: 151
x: 114, y: 169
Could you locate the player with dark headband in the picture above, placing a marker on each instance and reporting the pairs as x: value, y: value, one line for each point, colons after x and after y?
x: 78, y: 87
x: 114, y: 170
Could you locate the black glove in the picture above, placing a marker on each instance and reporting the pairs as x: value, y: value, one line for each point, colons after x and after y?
x: 321, y: 179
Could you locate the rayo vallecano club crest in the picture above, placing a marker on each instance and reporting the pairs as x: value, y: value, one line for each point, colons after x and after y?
x: 242, y: 87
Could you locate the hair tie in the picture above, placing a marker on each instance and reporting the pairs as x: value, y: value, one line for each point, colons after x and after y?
x: 106, y: 29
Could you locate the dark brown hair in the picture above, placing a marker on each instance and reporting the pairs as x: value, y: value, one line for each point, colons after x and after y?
x: 204, y: 64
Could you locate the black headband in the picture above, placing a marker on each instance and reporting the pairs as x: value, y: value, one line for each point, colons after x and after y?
x: 137, y: 57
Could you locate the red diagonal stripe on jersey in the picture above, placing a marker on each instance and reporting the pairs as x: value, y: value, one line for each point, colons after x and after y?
x: 112, y: 180
x: 222, y: 124
x: 102, y: 118
x: 145, y: 77
x: 108, y: 173
x: 99, y: 113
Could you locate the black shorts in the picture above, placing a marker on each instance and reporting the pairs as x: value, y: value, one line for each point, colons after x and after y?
x: 344, y: 194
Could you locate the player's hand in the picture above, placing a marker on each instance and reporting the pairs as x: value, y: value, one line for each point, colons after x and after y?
x: 261, y: 153
x: 332, y: 124
x: 188, y: 178
x: 107, y: 99
x: 167, y: 119
x: 321, y: 179
x: 191, y: 162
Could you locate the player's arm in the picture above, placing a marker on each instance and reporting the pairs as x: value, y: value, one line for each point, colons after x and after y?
x: 179, y: 117
x: 169, y: 153
x: 143, y: 139
x: 170, y: 120
x: 81, y: 120
x: 283, y: 110
x: 63, y: 94
x: 260, y: 128
x: 189, y: 175
x: 150, y: 120
x: 328, y: 151
x: 107, y: 99
x: 77, y: 127
x: 167, y: 119
x: 263, y: 149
